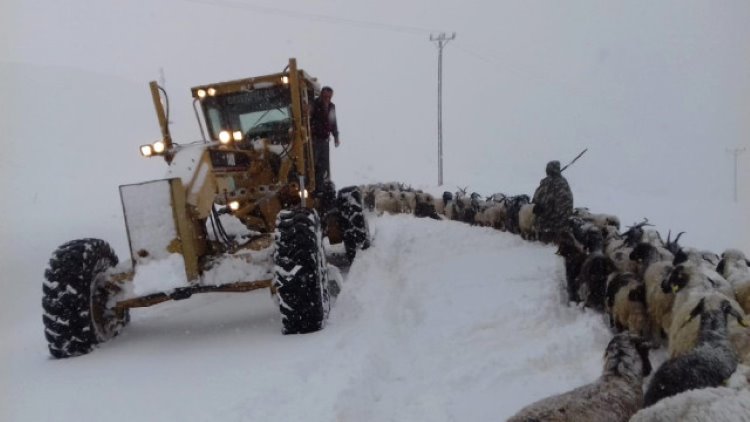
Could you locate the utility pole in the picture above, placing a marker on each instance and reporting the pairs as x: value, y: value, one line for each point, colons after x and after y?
x: 441, y: 40
x: 736, y: 152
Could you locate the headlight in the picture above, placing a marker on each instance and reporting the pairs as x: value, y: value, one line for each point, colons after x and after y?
x: 201, y: 93
x: 303, y: 194
x: 234, y: 205
x: 212, y: 91
x: 159, y: 147
x: 285, y: 79
x: 224, y: 137
x: 237, y: 135
x: 146, y: 150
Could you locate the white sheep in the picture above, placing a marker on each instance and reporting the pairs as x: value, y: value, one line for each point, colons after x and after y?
x: 614, y: 397
x: 494, y: 215
x: 658, y: 303
x: 408, y: 201
x: 526, y: 222
x: 692, y: 286
x: 386, y: 201
x: 718, y: 404
x: 683, y: 333
x: 654, y: 264
x: 734, y: 267
x: 626, y: 303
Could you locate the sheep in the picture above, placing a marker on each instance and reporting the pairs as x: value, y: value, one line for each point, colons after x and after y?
x: 475, y: 202
x: 408, y: 201
x: 645, y: 254
x: 599, y: 220
x: 424, y: 206
x: 673, y: 245
x: 691, y: 286
x: 513, y: 206
x: 706, y: 259
x: 688, y: 275
x: 708, y: 365
x: 654, y: 264
x: 719, y: 404
x: 614, y: 397
x: 592, y: 279
x: 453, y: 206
x: 683, y: 336
x: 618, y: 247
x: 439, y: 205
x: 735, y: 268
x: 574, y: 255
x: 386, y: 201
x: 448, y: 204
x: 491, y: 214
x: 658, y: 303
x: 526, y: 222
x: 368, y: 196
x: 626, y: 303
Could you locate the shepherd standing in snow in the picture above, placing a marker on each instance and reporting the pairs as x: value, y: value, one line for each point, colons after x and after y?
x: 322, y: 126
x: 553, y: 204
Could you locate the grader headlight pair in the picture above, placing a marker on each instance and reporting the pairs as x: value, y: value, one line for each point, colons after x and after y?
x: 225, y: 137
x: 156, y: 148
x: 203, y: 92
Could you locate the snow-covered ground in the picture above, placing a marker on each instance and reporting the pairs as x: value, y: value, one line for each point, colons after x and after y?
x: 437, y: 321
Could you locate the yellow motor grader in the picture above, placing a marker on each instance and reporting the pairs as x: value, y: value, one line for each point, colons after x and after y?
x: 238, y: 211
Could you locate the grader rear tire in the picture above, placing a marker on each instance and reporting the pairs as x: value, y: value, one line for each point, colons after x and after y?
x: 75, y: 296
x: 356, y: 231
x: 300, y: 271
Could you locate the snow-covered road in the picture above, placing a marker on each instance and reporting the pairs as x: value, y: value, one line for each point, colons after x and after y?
x: 437, y: 321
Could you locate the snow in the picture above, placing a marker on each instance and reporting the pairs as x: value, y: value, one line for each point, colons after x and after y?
x: 150, y: 223
x: 185, y: 160
x: 159, y: 275
x: 437, y: 321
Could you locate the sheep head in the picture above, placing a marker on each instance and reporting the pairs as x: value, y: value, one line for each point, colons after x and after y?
x: 568, y: 245
x: 672, y: 245
x: 709, y: 316
x: 635, y: 232
x: 641, y: 252
x: 619, y: 355
x: 678, y: 278
x: 732, y: 257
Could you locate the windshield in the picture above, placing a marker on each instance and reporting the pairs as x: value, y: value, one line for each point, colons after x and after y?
x: 260, y: 113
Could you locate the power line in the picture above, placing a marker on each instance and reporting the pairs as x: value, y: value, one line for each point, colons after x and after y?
x: 314, y: 17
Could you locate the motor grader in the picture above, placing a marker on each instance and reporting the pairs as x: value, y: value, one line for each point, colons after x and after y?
x: 239, y: 211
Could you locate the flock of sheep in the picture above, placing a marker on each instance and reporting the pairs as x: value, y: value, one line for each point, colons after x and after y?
x: 654, y: 292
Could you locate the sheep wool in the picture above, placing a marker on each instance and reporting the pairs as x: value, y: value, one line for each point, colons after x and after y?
x: 718, y: 404
x: 709, y: 364
x: 614, y: 397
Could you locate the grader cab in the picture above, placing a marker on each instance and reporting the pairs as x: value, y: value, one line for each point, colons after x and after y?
x: 254, y: 170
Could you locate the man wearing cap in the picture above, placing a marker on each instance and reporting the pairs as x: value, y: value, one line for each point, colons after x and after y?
x: 323, y: 125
